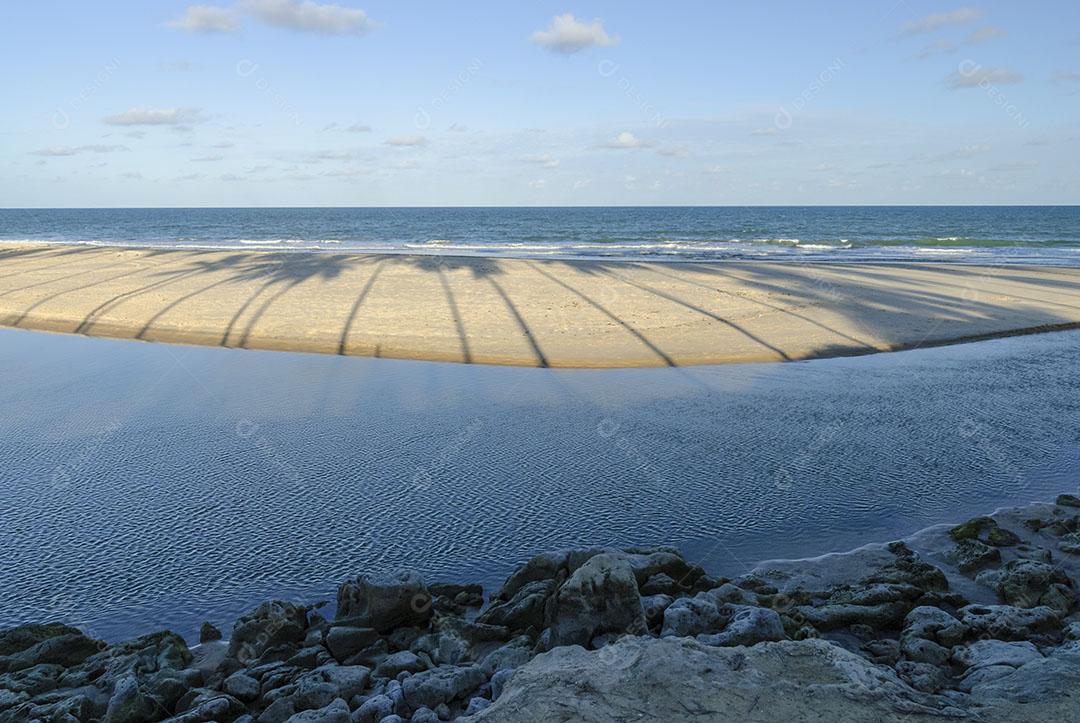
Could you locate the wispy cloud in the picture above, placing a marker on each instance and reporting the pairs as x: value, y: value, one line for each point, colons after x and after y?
x: 674, y: 151
x: 978, y: 76
x: 981, y: 35
x: 938, y: 47
x: 1014, y: 167
x: 206, y: 19
x: 626, y: 140
x: 545, y: 160
x: 930, y: 23
x: 961, y: 153
x: 1066, y: 77
x: 157, y: 117
x: 58, y: 151
x: 407, y: 141
x: 207, y: 159
x: 569, y: 35
x: 310, y: 17
x: 354, y: 128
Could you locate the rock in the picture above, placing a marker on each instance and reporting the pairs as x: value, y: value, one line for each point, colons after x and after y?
x: 344, y: 681
x: 925, y: 677
x: 747, y: 626
x: 374, y: 709
x: 397, y: 719
x: 129, y: 704
x: 659, y: 584
x: 476, y: 705
x: 679, y: 679
x: 279, y: 711
x: 424, y: 715
x: 1030, y: 552
x: 385, y: 602
x: 704, y: 613
x: 972, y: 555
x: 441, y: 685
x: 1067, y: 501
x: 344, y: 641
x: 513, y: 654
x: 1041, y: 690
x: 1028, y: 584
x: 986, y: 653
x: 971, y: 529
x: 935, y: 624
x: 546, y: 567
x: 601, y: 596
x: 920, y: 650
x: 336, y: 712
x: 524, y: 609
x: 208, y: 633
x: 883, y: 651
x: 831, y: 617
x: 499, y: 680
x: 242, y: 687
x: 64, y: 649
x: 272, y: 624
x: 1006, y: 622
x: 1000, y: 537
x: 394, y: 664
x: 17, y: 639
x: 209, y: 705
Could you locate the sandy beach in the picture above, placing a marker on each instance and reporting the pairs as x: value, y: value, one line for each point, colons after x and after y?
x: 524, y: 312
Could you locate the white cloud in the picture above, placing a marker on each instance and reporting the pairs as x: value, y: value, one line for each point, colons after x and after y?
x: 569, y: 35
x: 207, y: 159
x: 407, y: 141
x: 626, y: 139
x: 58, y: 151
x: 358, y: 128
x: 156, y: 117
x: 458, y: 128
x: 981, y: 35
x: 545, y: 160
x: 537, y: 183
x: 207, y: 19
x: 1066, y: 77
x: 767, y: 131
x: 931, y: 23
x: 978, y: 76
x: 938, y: 47
x: 961, y: 153
x: 310, y: 17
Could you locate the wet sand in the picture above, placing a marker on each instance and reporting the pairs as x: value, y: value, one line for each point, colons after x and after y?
x: 524, y: 312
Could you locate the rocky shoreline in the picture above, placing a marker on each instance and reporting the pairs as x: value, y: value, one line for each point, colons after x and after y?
x: 978, y: 621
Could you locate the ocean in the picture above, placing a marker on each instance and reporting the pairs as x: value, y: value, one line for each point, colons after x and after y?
x: 1048, y: 235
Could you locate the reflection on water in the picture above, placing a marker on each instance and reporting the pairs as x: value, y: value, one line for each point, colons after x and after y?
x: 151, y: 486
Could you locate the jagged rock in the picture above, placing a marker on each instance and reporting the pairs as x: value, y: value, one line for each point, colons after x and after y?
x: 385, y: 602
x: 499, y: 680
x: 130, y: 704
x: 925, y: 677
x: 679, y: 679
x: 1044, y: 689
x: 540, y: 568
x: 336, y: 712
x: 659, y: 584
x: 344, y: 641
x: 272, y: 624
x: 986, y: 653
x: 241, y: 686
x: 394, y: 664
x: 1028, y: 584
x: 344, y: 681
x: 747, y: 626
x: 524, y: 609
x: 374, y: 709
x: 208, y: 633
x: 1000, y: 537
x: 441, y: 685
x: 935, y: 624
x: 601, y: 596
x: 513, y: 654
x: 971, y: 529
x: 972, y: 555
x: 1067, y: 501
x: 64, y: 649
x: 1006, y: 622
x: 476, y: 705
x: 920, y: 650
x: 422, y: 715
x: 830, y: 617
x: 21, y: 637
x: 203, y: 706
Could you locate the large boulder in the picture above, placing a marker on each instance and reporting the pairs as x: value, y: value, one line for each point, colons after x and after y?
x: 385, y: 602
x: 1028, y: 584
x: 600, y: 597
x: 679, y: 679
x: 271, y: 625
x: 441, y: 685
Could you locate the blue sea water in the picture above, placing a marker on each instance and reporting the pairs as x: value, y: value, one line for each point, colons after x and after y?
x: 150, y: 486
x: 982, y: 234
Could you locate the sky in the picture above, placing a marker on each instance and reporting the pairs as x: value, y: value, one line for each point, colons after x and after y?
x: 400, y: 103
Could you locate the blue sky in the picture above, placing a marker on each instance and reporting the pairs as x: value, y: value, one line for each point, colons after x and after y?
x: 294, y: 102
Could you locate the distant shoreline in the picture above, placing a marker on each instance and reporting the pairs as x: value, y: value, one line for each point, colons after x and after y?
x: 525, y: 312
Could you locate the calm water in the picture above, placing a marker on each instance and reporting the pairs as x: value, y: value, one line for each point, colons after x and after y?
x: 1023, y: 234
x: 150, y: 486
